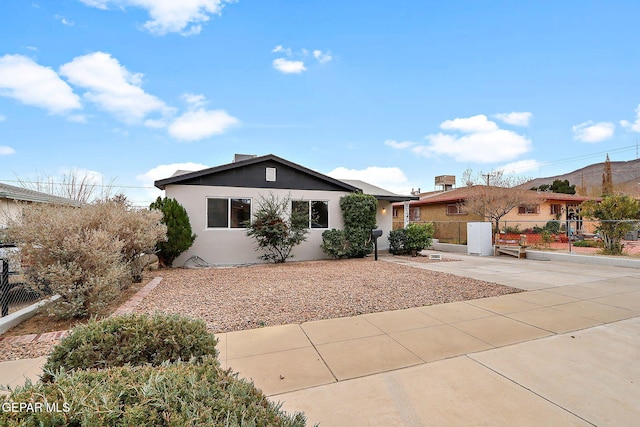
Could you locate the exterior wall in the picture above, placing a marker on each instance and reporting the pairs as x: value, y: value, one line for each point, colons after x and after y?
x: 449, y: 228
x: 8, y: 208
x: 385, y: 223
x: 233, y: 246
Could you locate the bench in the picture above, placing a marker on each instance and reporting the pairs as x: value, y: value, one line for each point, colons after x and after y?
x: 509, y: 247
x: 516, y: 251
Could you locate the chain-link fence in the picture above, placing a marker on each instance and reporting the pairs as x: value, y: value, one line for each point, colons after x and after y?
x: 15, y: 292
x: 614, y: 237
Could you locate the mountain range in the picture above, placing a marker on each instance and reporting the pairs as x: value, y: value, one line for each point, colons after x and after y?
x: 626, y: 178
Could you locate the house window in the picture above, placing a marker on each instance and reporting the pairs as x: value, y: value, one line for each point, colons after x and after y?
x: 318, y: 212
x: 228, y: 213
x: 455, y: 209
x: 414, y: 214
x: 395, y: 212
x: 556, y: 209
x: 528, y: 209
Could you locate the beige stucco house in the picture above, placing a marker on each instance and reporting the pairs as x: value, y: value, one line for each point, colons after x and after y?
x: 446, y: 210
x: 220, y: 199
x: 11, y: 198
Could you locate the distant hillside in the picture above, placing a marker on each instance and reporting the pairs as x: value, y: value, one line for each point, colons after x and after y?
x: 626, y: 178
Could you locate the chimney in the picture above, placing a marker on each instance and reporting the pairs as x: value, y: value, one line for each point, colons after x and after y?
x: 240, y: 157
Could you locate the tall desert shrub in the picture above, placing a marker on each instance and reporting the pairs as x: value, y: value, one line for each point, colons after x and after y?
x: 359, y: 217
x: 84, y: 254
x: 179, y: 234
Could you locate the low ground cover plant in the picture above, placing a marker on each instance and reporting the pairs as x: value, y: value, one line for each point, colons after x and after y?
x: 131, y: 339
x: 173, y: 394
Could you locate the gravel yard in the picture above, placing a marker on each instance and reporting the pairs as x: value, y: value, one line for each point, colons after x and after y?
x: 232, y: 299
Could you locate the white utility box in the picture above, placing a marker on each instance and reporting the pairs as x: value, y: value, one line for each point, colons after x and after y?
x: 479, y: 239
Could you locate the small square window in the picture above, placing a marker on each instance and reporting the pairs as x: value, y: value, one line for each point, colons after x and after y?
x: 414, y: 214
x: 271, y: 174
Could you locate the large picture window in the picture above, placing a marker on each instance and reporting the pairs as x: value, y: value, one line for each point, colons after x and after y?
x: 528, y: 209
x: 318, y: 212
x: 228, y: 213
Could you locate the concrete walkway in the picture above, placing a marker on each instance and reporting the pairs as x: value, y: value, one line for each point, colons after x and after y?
x: 565, y: 353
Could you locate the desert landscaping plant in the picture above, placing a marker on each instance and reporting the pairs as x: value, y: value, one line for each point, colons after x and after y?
x: 418, y: 236
x: 398, y: 241
x: 173, y: 394
x: 617, y: 216
x: 335, y: 244
x: 85, y: 254
x: 131, y: 340
x: 179, y: 234
x: 359, y: 218
x: 277, y: 228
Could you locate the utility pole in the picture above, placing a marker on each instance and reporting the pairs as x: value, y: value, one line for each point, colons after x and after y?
x: 487, y: 176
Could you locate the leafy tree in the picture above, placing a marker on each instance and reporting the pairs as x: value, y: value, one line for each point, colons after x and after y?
x: 277, y: 229
x: 563, y: 186
x: 359, y: 218
x: 179, y: 233
x: 614, y: 213
x: 558, y: 186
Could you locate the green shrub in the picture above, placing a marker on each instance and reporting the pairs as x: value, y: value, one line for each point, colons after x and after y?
x: 418, y: 236
x: 334, y: 243
x: 277, y: 229
x: 588, y: 244
x: 552, y: 227
x: 178, y: 394
x: 398, y: 241
x: 131, y: 339
x: 359, y: 217
x: 179, y: 235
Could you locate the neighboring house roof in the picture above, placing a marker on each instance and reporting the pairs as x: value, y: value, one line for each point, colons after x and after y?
x: 462, y: 193
x: 246, y: 173
x: 26, y: 195
x: 377, y: 192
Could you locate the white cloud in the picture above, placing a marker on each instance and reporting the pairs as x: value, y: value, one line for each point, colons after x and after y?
x: 112, y: 87
x: 169, y: 16
x: 593, y: 132
x: 390, y: 178
x: 472, y: 139
x: 199, y: 124
x: 322, y: 57
x: 2, y: 118
x: 520, y: 167
x: 288, y: 67
x: 4, y: 150
x: 30, y: 83
x: 194, y: 100
x: 516, y: 119
x: 77, y: 118
x: 280, y: 48
x: 161, y: 172
x: 474, y: 124
x: 64, y: 21
x: 399, y: 145
x: 635, y: 126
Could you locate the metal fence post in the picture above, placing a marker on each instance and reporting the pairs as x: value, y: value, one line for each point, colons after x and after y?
x: 4, y: 288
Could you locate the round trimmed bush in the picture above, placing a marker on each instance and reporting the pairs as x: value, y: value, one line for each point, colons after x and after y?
x: 178, y: 394
x: 131, y: 340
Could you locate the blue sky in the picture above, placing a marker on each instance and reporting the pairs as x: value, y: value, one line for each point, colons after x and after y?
x: 394, y: 93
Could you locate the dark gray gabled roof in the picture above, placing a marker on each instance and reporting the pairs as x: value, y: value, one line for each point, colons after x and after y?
x: 194, y: 178
x: 377, y: 192
x: 26, y: 195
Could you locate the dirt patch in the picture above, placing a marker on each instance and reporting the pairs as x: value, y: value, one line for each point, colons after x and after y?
x: 42, y: 322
